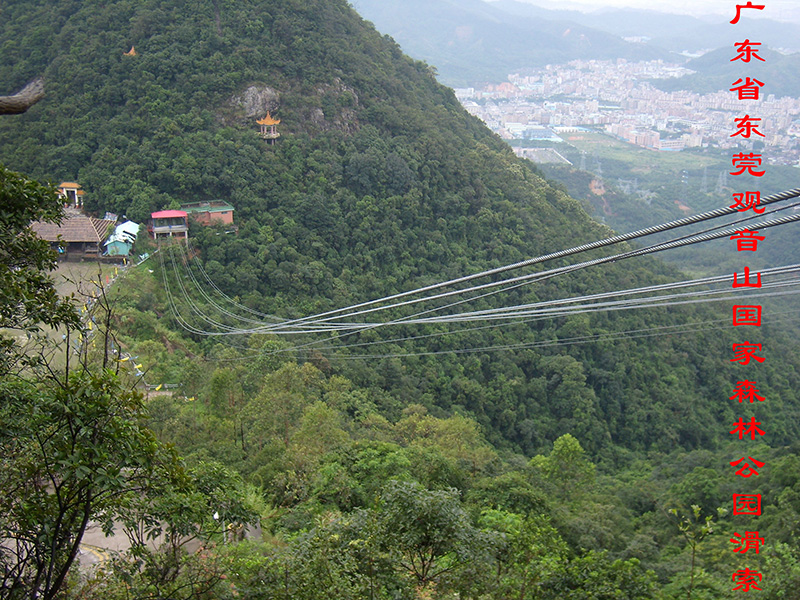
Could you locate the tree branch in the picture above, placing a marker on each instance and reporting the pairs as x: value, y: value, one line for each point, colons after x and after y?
x: 23, y: 99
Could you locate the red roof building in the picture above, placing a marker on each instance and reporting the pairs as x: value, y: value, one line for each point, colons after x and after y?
x: 168, y: 223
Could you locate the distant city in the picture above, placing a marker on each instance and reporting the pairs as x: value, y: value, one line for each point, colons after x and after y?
x: 617, y: 97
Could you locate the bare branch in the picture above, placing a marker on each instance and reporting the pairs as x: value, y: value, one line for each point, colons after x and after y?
x: 23, y: 99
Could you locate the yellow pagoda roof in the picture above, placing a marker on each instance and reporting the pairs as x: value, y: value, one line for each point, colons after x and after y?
x: 268, y: 120
x: 131, y: 52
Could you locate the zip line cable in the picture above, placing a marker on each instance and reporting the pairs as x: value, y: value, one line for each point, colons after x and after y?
x: 670, y: 300
x: 793, y: 193
x: 466, y: 330
x: 625, y: 335
x: 535, y: 277
x: 544, y: 308
x: 314, y: 324
x: 227, y: 328
x: 674, y: 243
x: 562, y: 312
x: 186, y: 258
x: 541, y: 276
x: 214, y: 286
x: 540, y: 317
x: 769, y: 200
x: 668, y: 286
x: 657, y: 331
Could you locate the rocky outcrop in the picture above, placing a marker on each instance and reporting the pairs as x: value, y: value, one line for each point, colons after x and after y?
x: 255, y: 101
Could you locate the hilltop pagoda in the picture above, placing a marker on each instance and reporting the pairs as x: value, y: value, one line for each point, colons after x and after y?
x: 268, y: 131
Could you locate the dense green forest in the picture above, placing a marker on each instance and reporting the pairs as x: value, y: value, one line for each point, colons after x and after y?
x: 407, y: 467
x: 637, y: 196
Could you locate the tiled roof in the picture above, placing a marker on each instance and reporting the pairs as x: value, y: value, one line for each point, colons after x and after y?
x: 74, y: 229
x: 268, y: 120
x: 69, y: 185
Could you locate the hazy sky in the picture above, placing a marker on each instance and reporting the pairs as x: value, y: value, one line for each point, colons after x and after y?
x: 779, y: 10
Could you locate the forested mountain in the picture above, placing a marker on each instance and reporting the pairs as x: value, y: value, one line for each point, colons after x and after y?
x: 472, y: 41
x: 715, y: 69
x: 380, y: 183
x: 668, y: 31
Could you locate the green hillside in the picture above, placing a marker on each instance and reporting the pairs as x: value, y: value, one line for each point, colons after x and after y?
x: 545, y: 470
x: 379, y: 183
x: 715, y: 72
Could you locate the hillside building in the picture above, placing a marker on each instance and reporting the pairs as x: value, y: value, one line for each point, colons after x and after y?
x: 71, y: 195
x: 207, y: 213
x: 168, y: 223
x: 76, y: 238
x: 121, y: 241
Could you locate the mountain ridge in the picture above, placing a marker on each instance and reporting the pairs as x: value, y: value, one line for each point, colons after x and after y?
x: 470, y: 42
x: 380, y: 182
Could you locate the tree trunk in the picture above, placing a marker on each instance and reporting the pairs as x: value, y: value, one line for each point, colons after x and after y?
x: 24, y: 99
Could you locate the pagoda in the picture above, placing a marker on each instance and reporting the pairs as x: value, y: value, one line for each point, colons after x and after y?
x: 268, y: 131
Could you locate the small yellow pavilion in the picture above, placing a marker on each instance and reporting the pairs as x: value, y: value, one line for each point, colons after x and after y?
x: 268, y: 131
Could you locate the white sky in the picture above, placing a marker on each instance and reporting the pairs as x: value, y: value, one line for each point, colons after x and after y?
x: 779, y: 10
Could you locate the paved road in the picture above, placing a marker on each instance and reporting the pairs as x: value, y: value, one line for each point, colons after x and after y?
x: 97, y: 548
x: 89, y: 555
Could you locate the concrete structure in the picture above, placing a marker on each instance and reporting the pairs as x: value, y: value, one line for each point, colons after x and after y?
x: 71, y: 194
x: 168, y: 223
x: 206, y: 213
